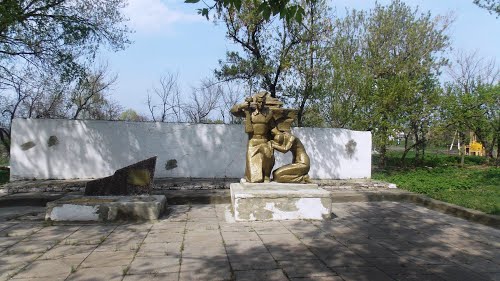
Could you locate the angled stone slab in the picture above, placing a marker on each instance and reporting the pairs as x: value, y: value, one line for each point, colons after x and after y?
x: 279, y: 201
x: 106, y: 208
x: 131, y: 180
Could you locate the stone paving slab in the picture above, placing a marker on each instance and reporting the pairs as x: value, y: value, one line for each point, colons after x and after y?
x: 363, y: 241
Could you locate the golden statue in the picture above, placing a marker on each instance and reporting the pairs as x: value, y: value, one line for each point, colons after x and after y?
x: 297, y: 171
x: 268, y: 127
x: 259, y: 123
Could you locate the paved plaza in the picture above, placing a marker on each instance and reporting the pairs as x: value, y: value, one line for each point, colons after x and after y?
x: 364, y: 241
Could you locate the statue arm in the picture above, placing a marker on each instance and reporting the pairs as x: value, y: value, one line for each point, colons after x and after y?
x: 238, y: 110
x: 280, y: 148
x: 285, y: 147
x: 243, y: 110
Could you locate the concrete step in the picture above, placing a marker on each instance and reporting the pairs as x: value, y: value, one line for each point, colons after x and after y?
x: 184, y: 197
x: 30, y: 199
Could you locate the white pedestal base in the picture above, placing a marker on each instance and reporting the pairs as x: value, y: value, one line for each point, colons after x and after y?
x: 106, y: 208
x: 279, y: 201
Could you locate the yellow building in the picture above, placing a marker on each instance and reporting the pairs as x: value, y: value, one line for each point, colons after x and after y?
x: 474, y: 147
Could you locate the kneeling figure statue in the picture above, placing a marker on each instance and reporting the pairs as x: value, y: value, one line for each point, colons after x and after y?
x: 268, y: 127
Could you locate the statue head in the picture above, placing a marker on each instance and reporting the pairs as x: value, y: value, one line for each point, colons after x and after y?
x: 279, y: 138
x: 283, y: 137
x: 260, y: 99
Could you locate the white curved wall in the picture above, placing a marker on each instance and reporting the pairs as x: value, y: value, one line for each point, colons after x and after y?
x: 93, y: 149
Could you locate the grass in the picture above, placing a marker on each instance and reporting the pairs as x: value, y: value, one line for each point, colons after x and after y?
x: 125, y: 270
x: 4, y: 176
x: 475, y: 186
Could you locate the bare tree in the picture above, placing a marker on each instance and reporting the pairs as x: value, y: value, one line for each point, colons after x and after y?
x: 473, y: 100
x: 231, y: 94
x: 266, y: 46
x: 22, y: 96
x: 204, y: 101
x: 29, y: 92
x: 90, y: 93
x: 11, y: 106
x: 167, y: 92
x: 111, y: 110
x: 468, y: 69
x: 54, y: 104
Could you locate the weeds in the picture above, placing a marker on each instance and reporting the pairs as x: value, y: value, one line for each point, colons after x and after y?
x: 47, y: 223
x: 102, y: 239
x: 125, y: 270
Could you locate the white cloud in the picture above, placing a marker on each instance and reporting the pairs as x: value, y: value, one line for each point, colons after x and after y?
x: 153, y: 16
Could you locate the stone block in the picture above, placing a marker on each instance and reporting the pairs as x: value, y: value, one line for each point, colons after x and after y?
x: 106, y: 208
x: 279, y: 201
x: 131, y: 180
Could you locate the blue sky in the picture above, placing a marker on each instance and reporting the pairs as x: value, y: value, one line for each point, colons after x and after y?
x: 170, y: 36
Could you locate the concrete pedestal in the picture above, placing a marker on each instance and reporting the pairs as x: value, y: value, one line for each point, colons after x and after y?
x: 106, y: 208
x: 279, y: 201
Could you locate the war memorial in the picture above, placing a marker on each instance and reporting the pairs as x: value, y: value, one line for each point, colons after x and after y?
x: 291, y: 209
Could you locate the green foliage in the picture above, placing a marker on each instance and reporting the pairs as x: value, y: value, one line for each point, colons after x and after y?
x: 61, y: 35
x: 385, y: 64
x: 394, y: 161
x: 471, y: 101
x: 309, y: 68
x: 312, y: 117
x: 439, y: 177
x: 285, y: 8
x: 266, y: 45
x: 132, y: 115
x: 493, y: 6
x: 471, y: 187
x: 4, y: 159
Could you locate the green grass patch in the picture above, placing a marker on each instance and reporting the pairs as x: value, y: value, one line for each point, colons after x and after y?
x: 438, y: 176
x: 393, y: 159
x: 4, y: 176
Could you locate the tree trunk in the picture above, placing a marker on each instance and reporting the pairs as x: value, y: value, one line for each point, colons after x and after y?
x: 5, y: 139
x: 488, y: 147
x: 309, y: 72
x: 424, y: 144
x: 417, y: 147
x: 462, y: 150
x: 405, y: 152
x: 498, y: 151
x: 382, y: 160
x: 272, y: 90
x: 300, y: 113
